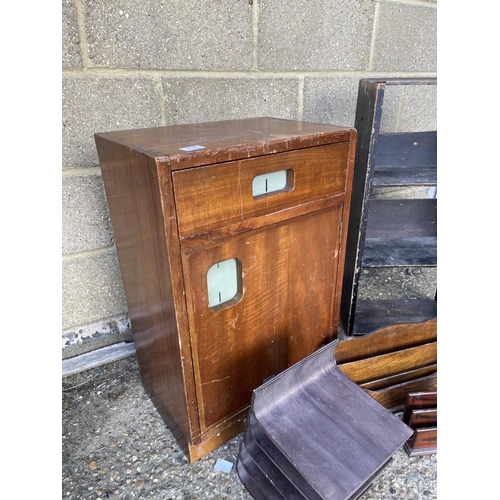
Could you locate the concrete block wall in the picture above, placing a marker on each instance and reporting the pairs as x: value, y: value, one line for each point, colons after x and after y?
x: 143, y: 63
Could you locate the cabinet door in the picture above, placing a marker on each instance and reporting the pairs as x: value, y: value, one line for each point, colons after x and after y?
x: 279, y: 311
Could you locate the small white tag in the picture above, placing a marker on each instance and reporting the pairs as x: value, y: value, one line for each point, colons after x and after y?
x: 192, y: 148
x: 223, y: 465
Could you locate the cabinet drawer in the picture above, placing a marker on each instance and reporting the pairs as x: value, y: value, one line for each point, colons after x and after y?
x: 219, y: 195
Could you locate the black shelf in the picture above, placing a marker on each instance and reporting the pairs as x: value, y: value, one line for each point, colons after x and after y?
x: 374, y: 314
x: 410, y: 252
x: 406, y: 159
x: 389, y: 228
x: 407, y: 149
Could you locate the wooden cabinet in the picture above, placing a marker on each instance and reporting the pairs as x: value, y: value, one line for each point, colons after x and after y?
x: 231, y: 243
x: 393, y: 221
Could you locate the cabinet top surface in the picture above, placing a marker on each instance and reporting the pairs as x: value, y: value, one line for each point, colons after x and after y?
x: 190, y: 145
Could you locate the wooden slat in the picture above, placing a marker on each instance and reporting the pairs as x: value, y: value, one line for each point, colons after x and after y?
x: 385, y: 340
x: 390, y: 364
x: 423, y: 418
x: 425, y: 438
x: 402, y: 81
x: 419, y: 401
x: 382, y: 383
x: 387, y: 176
x: 394, y: 397
x: 423, y: 442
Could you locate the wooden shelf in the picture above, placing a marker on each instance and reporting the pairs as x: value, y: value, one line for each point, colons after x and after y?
x: 396, y: 176
x: 401, y: 218
x: 390, y: 252
x: 374, y: 314
x: 407, y: 150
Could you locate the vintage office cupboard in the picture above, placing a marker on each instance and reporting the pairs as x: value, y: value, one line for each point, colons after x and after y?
x: 230, y: 238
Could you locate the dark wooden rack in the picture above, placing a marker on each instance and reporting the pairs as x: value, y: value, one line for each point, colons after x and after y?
x: 420, y: 413
x: 387, y: 231
x: 312, y: 433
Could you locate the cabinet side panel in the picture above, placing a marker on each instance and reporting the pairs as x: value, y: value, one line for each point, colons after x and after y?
x: 132, y: 192
x: 343, y: 250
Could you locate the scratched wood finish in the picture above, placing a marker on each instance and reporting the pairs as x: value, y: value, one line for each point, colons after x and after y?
x: 200, y: 367
x: 226, y: 140
x: 279, y: 318
x: 304, y: 438
x: 392, y: 362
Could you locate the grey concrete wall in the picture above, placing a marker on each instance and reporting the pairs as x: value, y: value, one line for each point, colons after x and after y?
x: 142, y: 63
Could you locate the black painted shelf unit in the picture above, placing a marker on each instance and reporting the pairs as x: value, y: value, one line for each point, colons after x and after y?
x: 385, y: 233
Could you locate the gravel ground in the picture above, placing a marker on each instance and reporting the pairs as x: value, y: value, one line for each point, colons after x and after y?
x: 115, y: 445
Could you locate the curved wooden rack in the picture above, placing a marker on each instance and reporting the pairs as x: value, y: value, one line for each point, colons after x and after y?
x: 312, y: 433
x: 392, y: 361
